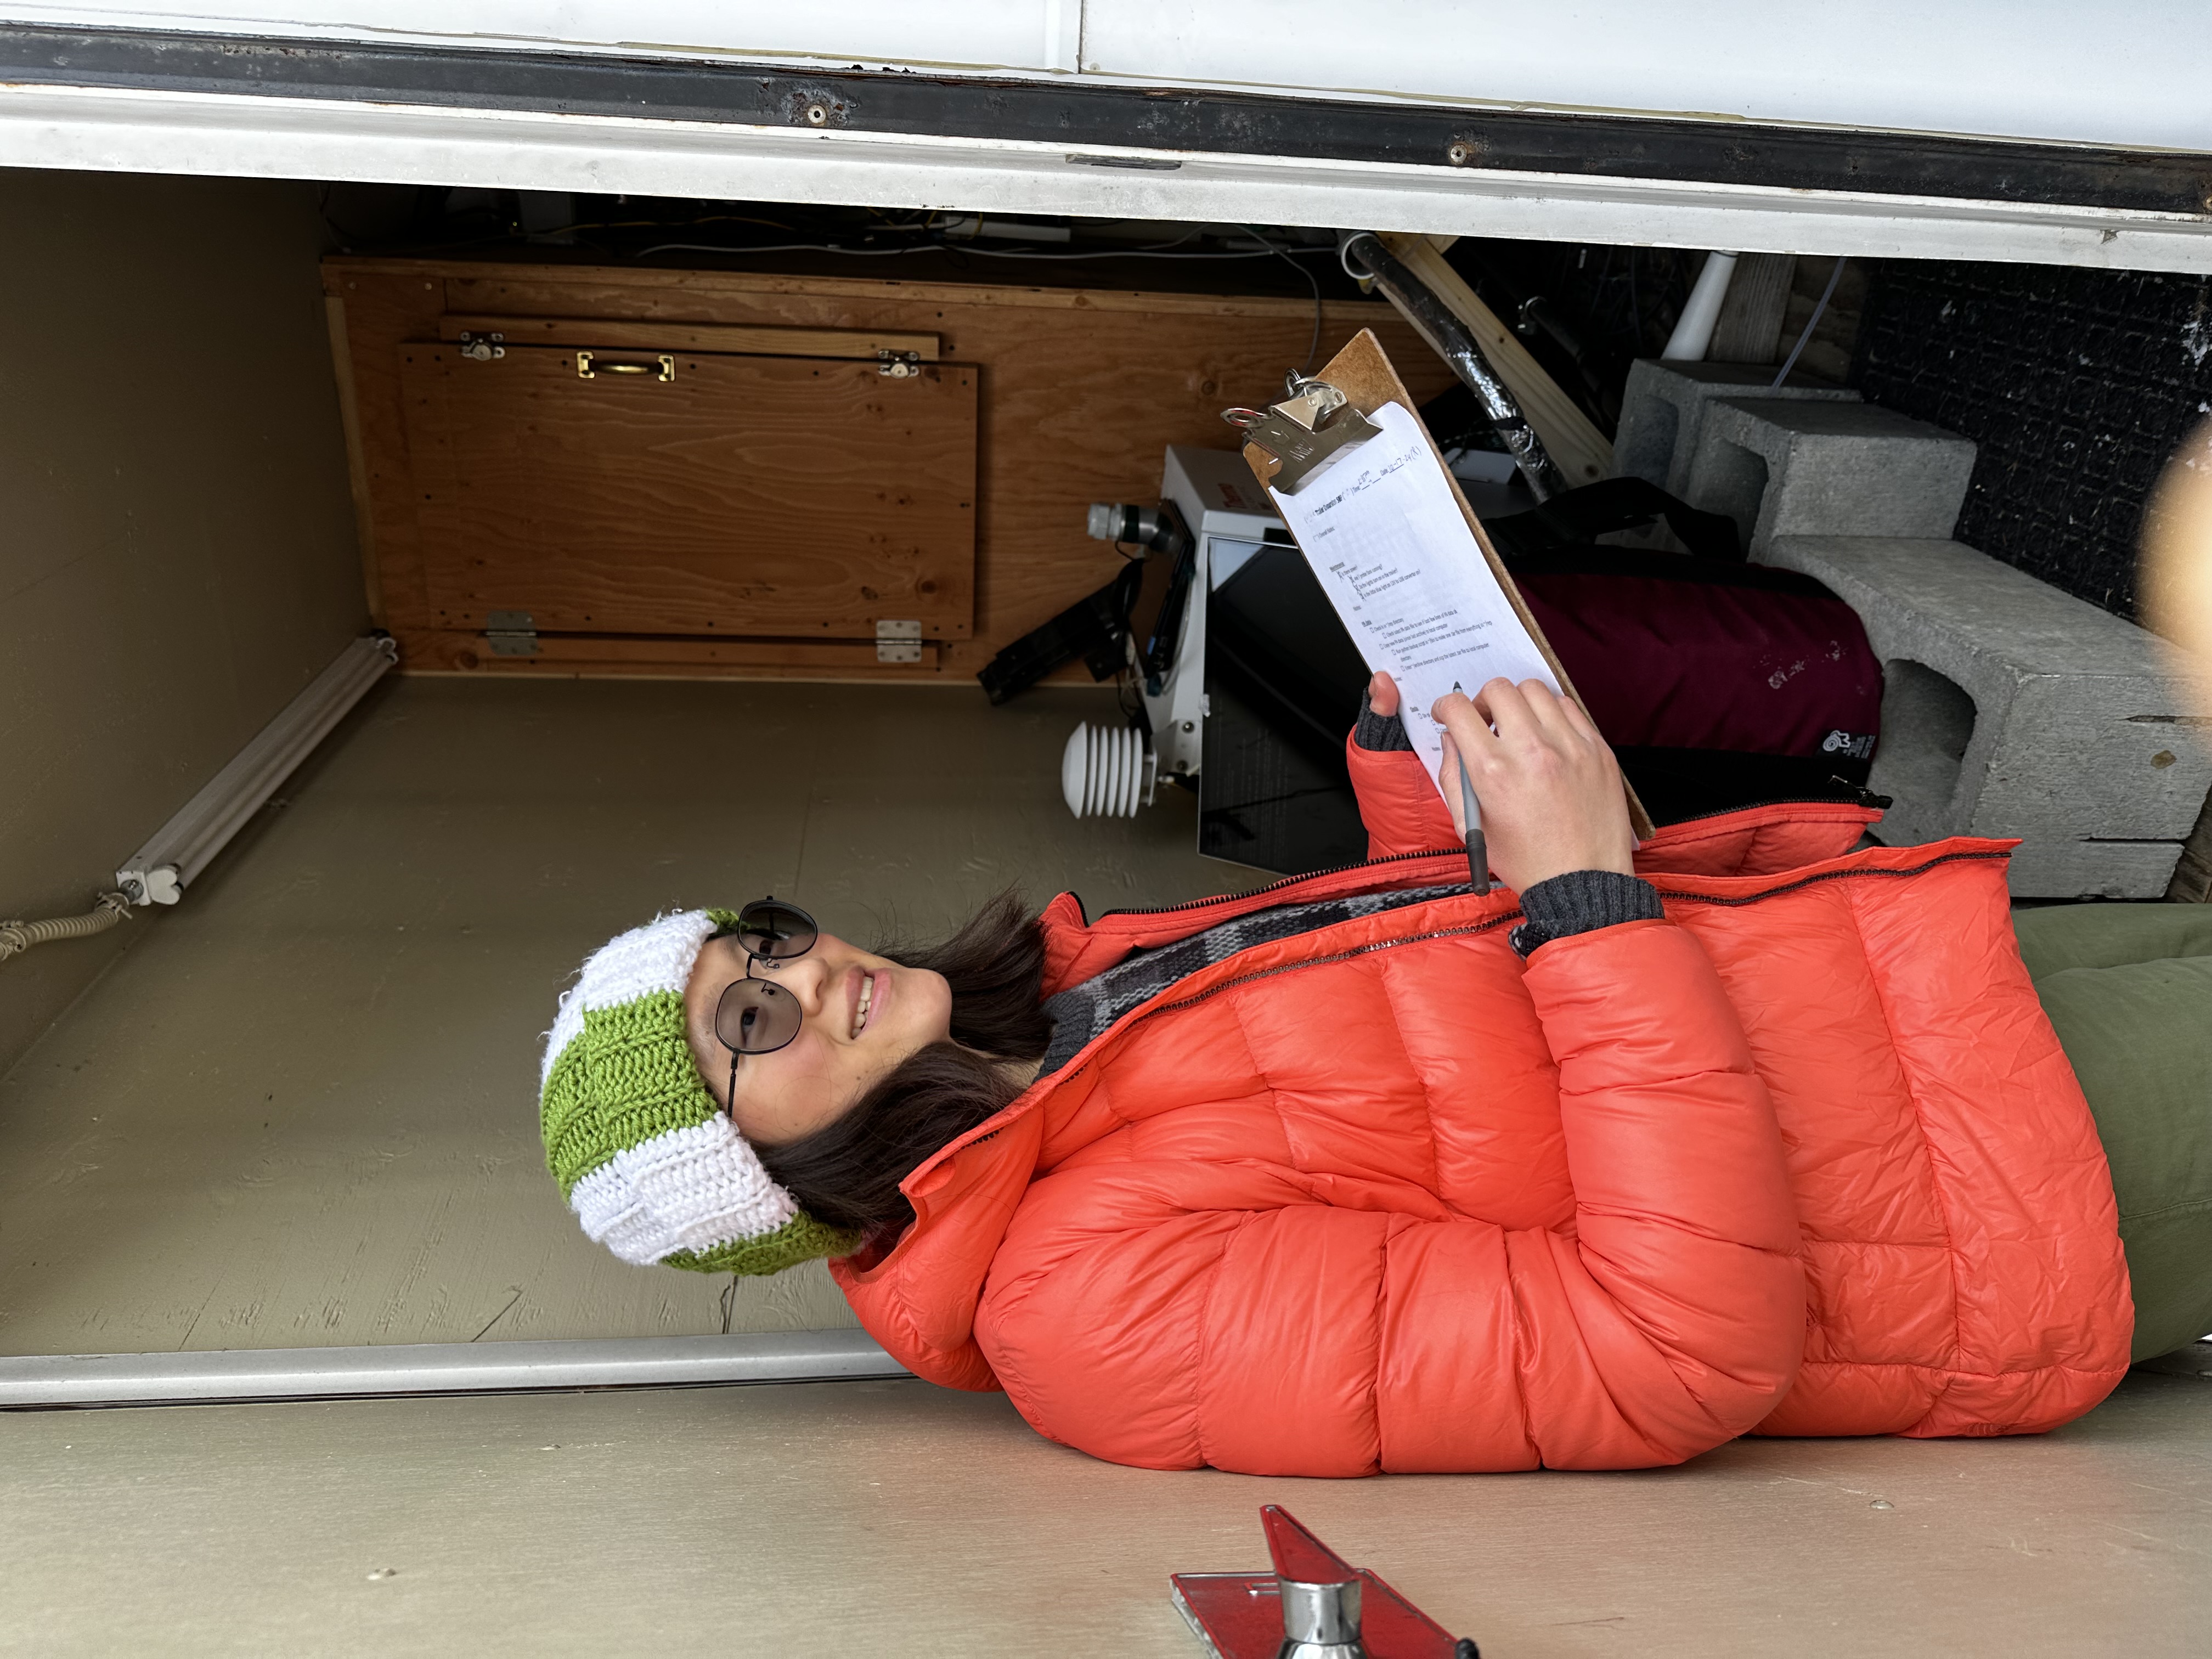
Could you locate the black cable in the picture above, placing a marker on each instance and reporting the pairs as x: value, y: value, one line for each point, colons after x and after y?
x: 775, y: 247
x: 919, y: 226
x: 1608, y: 295
x: 963, y: 248
x: 1635, y: 305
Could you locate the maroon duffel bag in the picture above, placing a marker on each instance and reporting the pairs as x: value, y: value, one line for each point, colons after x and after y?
x: 1719, y: 683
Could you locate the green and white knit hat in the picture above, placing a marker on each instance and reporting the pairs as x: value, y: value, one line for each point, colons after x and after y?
x: 653, y: 1170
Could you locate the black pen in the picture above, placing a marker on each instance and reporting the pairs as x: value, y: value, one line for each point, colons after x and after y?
x: 1477, y: 855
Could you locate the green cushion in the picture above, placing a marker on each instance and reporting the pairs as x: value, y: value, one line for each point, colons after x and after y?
x: 2139, y: 1034
x: 2056, y: 936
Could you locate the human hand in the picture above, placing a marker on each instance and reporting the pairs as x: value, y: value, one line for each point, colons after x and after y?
x: 1548, y: 786
x: 1382, y: 696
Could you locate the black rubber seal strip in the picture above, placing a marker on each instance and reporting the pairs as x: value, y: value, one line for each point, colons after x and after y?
x: 887, y: 102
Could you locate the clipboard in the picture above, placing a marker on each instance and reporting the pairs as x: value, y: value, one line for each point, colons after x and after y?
x: 1301, y: 435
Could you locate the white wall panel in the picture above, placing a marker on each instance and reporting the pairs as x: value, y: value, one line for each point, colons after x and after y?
x: 2116, y: 74
x: 2120, y: 76
x: 96, y: 129
x: 2131, y: 73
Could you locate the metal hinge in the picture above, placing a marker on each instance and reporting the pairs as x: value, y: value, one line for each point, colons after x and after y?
x: 482, y: 348
x: 898, y: 641
x: 898, y: 365
x: 512, y: 632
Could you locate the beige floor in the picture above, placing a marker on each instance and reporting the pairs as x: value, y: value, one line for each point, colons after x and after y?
x: 896, y: 1518
x: 300, y: 1110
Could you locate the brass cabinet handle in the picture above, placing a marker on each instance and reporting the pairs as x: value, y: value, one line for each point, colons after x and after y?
x: 590, y: 367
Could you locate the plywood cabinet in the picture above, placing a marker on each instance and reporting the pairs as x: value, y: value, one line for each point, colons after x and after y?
x: 748, y: 493
x: 679, y: 493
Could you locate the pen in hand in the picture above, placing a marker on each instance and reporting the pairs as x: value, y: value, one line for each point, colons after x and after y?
x: 1477, y: 855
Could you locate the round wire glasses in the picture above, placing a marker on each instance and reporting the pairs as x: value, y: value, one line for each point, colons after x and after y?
x: 757, y: 1016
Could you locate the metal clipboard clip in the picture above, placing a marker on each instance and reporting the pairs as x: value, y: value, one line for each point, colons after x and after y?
x: 1305, y: 432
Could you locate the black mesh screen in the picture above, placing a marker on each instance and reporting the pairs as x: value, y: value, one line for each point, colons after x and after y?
x: 2077, y: 385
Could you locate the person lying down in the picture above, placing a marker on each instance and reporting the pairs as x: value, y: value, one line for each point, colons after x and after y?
x: 1741, y: 1131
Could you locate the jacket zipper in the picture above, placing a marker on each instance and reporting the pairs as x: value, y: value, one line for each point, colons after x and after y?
x: 1138, y: 1016
x: 1286, y: 881
x: 1865, y: 798
x: 1490, y: 924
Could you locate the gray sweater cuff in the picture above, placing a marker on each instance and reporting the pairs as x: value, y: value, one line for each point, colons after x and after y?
x: 1582, y: 902
x: 1379, y: 732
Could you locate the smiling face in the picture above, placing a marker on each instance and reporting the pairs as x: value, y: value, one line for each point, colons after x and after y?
x: 863, y: 1015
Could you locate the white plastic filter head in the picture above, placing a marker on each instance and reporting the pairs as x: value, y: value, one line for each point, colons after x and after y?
x: 1106, y: 772
x: 1693, y: 330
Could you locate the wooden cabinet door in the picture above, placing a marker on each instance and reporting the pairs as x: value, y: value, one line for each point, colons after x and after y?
x: 692, y: 493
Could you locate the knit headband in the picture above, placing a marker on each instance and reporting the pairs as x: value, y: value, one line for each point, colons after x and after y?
x: 654, y: 1169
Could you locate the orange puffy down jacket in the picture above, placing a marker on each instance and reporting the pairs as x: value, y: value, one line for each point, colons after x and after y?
x: 1804, y: 1158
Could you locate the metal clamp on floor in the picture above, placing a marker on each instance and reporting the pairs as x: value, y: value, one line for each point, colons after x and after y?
x: 1314, y: 1606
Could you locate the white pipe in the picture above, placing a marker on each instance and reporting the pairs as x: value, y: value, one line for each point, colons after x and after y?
x: 1693, y: 333
x: 159, y: 872
x: 653, y: 1362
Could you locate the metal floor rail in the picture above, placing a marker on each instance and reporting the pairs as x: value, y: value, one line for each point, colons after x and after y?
x: 126, y: 1379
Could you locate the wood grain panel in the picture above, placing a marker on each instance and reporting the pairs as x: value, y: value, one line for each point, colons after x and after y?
x: 364, y: 519
x: 1081, y: 390
x: 1749, y: 328
x: 762, y: 495
x: 694, y: 337
x: 381, y: 309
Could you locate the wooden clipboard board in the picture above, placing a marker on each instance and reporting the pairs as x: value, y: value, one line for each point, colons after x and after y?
x: 1362, y: 372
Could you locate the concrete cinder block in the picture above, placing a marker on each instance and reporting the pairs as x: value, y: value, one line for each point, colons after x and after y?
x: 1784, y: 467
x: 1662, y: 411
x: 2011, y: 708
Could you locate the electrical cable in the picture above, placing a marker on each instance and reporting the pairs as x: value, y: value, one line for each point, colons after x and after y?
x: 651, y: 224
x: 1313, y: 346
x: 930, y: 224
x: 16, y: 937
x: 1635, y: 305
x: 951, y: 247
x: 1811, y: 323
x: 922, y: 225
x: 519, y: 232
x: 1119, y: 253
x: 778, y: 247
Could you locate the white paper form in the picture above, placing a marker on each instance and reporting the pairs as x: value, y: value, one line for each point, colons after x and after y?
x: 1382, y: 529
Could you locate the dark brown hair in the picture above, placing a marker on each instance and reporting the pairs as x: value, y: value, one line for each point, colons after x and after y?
x: 848, y: 1173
